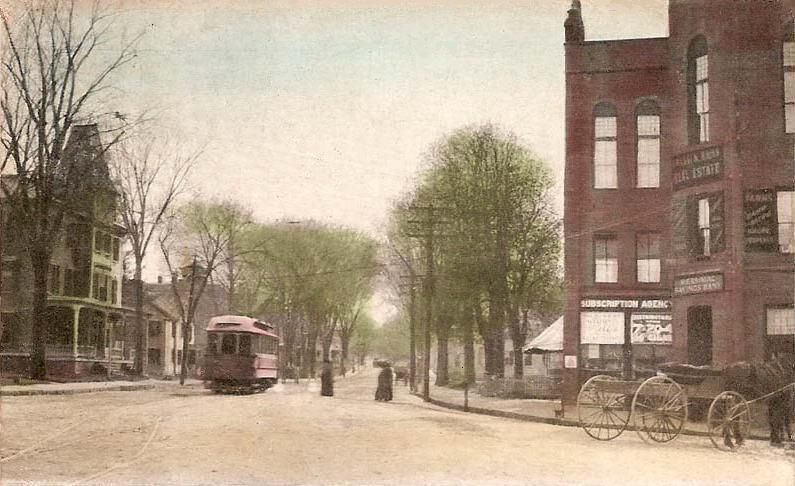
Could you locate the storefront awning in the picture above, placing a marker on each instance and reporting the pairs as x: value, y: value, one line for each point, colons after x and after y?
x: 549, y: 341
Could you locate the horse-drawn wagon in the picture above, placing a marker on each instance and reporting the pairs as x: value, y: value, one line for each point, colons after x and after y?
x: 658, y: 406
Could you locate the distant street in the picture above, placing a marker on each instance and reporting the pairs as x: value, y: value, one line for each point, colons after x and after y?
x: 291, y: 435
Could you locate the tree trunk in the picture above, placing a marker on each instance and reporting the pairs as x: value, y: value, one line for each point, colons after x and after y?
x: 140, y: 325
x: 40, y: 261
x: 345, y: 339
x: 469, y: 350
x: 183, y: 369
x: 442, y: 355
x: 518, y: 338
x: 311, y: 351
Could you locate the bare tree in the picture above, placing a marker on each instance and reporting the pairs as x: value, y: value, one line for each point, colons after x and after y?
x: 201, y: 231
x: 149, y: 176
x: 51, y: 74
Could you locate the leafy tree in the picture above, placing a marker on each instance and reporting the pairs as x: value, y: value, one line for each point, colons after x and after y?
x: 194, y: 244
x: 497, y: 254
x: 391, y: 341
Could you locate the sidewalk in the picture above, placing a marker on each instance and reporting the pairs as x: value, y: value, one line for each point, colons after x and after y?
x: 549, y: 411
x: 88, y: 387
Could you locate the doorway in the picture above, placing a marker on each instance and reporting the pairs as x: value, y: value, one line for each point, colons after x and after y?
x: 699, y: 335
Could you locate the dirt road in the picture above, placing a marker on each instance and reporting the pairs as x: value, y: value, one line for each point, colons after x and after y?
x: 291, y: 435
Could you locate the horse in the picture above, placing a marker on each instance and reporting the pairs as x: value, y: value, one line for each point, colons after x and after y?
x: 768, y: 380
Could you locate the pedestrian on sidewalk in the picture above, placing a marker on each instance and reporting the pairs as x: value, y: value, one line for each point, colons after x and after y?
x: 383, y: 393
x: 327, y: 379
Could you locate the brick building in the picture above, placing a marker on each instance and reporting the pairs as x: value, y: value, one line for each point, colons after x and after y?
x: 679, y: 195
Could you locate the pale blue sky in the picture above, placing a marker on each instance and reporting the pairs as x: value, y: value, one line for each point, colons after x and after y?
x: 322, y: 109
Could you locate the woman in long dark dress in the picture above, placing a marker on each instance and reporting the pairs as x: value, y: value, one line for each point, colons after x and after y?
x: 327, y: 380
x: 384, y: 391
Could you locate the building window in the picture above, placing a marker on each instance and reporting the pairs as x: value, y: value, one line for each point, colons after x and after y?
x: 780, y: 323
x: 785, y: 207
x: 114, y: 289
x: 602, y: 340
x: 703, y: 225
x: 605, y: 155
x: 698, y: 91
x: 789, y: 78
x: 605, y: 250
x: 648, y: 257
x: 116, y: 249
x: 648, y: 154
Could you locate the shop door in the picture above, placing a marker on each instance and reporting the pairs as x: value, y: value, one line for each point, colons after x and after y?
x: 699, y: 335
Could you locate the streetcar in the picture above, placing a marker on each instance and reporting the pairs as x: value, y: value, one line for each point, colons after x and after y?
x: 242, y: 355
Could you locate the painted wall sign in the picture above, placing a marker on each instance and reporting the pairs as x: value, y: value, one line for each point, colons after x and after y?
x: 601, y: 328
x: 613, y: 303
x: 569, y: 361
x: 697, y: 167
x: 761, y: 230
x: 698, y: 284
x: 651, y: 329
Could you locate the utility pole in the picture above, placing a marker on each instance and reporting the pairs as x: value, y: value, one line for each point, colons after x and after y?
x: 429, y: 288
x: 428, y: 225
x: 412, y: 287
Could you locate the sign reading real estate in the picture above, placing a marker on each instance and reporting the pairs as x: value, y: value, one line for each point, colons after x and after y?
x: 761, y: 230
x: 601, y: 328
x: 697, y: 167
x: 698, y: 284
x: 651, y: 329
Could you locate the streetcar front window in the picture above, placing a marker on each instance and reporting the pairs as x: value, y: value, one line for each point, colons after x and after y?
x: 228, y: 344
x: 245, y: 345
x: 212, y: 343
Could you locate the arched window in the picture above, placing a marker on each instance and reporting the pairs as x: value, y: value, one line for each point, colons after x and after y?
x: 605, y: 158
x: 648, y: 129
x: 789, y: 77
x: 698, y: 91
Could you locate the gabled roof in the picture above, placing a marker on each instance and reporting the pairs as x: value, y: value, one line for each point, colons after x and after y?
x: 550, y: 339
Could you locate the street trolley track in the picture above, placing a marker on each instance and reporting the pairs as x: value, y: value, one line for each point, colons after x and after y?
x: 40, y: 447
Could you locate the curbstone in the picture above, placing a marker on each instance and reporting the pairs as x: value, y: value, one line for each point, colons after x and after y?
x: 74, y: 391
x: 547, y: 420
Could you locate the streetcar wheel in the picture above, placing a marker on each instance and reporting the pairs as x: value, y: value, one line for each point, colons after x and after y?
x: 603, y: 414
x: 659, y: 409
x: 729, y: 421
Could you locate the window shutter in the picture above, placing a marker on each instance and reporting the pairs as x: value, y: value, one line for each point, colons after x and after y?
x: 717, y: 240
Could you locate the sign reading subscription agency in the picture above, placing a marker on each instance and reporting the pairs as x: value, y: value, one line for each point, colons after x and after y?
x: 698, y: 166
x: 601, y: 328
x: 698, y: 284
x: 614, y: 303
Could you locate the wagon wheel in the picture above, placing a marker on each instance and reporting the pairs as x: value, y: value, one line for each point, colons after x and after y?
x: 603, y: 414
x: 659, y: 409
x: 729, y: 421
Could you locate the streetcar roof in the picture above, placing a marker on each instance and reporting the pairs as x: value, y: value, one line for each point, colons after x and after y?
x: 240, y: 324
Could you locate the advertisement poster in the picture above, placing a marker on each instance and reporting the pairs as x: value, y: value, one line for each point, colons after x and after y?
x: 651, y: 329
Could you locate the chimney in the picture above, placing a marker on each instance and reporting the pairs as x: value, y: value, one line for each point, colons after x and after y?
x: 575, y: 30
